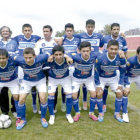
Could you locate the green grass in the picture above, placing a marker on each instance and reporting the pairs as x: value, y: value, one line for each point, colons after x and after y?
x: 85, y: 129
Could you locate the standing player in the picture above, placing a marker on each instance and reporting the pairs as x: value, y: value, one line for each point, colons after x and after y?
x: 33, y: 77
x: 70, y: 44
x: 115, y: 30
x: 95, y: 40
x: 11, y: 46
x: 105, y: 74
x: 24, y: 41
x: 132, y: 75
x: 59, y: 75
x: 82, y: 74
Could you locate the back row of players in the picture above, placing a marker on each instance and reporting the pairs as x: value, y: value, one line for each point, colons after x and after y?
x: 105, y: 68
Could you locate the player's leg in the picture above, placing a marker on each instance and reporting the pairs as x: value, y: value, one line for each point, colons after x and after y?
x: 75, y: 88
x: 105, y: 94
x: 84, y: 97
x: 126, y: 92
x: 63, y: 105
x: 41, y: 88
x: 4, y: 100
x: 13, y: 109
x: 52, y: 85
x: 34, y: 94
x: 67, y: 86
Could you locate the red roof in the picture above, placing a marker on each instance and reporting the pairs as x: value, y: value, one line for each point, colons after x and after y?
x: 133, y: 42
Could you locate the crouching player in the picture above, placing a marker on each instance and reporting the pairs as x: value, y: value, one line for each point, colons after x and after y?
x: 105, y: 74
x: 8, y: 75
x: 59, y: 75
x: 82, y: 74
x: 33, y: 77
x: 132, y: 75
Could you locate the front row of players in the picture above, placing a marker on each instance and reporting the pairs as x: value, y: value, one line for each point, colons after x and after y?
x: 71, y: 77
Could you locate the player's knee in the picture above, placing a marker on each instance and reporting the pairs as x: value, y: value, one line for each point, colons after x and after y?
x: 22, y: 100
x: 93, y: 94
x: 16, y: 97
x: 99, y: 95
x: 74, y: 95
x: 119, y: 94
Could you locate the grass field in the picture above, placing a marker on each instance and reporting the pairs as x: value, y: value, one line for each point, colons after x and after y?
x: 85, y: 129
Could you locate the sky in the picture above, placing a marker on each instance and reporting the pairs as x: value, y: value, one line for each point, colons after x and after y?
x: 57, y: 13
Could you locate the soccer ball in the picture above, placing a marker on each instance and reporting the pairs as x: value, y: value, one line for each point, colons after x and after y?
x: 5, y: 121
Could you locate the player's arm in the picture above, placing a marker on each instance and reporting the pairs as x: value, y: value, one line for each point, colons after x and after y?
x: 37, y: 48
x: 59, y: 40
x: 68, y: 58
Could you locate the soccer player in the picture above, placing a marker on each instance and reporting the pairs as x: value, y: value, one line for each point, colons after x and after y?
x: 115, y: 34
x: 82, y: 74
x: 33, y: 77
x: 8, y: 75
x: 59, y: 75
x: 11, y: 46
x: 132, y: 75
x: 96, y: 41
x: 105, y: 74
x: 24, y: 41
x: 70, y: 44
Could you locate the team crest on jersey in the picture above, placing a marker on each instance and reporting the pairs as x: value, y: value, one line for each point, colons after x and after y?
x: 117, y: 63
x: 11, y: 68
x: 105, y: 62
x: 43, y: 44
x: 74, y: 42
x: 128, y: 64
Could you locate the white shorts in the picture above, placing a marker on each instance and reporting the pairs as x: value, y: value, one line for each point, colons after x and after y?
x: 20, y: 74
x: 111, y: 82
x: 89, y: 83
x: 136, y: 80
x: 12, y: 85
x: 64, y: 82
x: 71, y: 70
x: 26, y: 86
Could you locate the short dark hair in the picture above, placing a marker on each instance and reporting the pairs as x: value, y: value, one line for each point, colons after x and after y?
x: 26, y: 25
x: 48, y: 26
x: 69, y: 25
x: 7, y: 28
x: 90, y: 21
x: 115, y: 24
x: 29, y: 50
x: 113, y: 42
x: 57, y: 48
x: 4, y: 52
x: 85, y: 44
x: 138, y: 50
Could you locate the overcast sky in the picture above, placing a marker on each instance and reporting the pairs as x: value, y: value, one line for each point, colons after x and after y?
x: 14, y: 13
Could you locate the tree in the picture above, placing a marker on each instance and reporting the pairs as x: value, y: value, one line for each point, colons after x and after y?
x: 106, y: 30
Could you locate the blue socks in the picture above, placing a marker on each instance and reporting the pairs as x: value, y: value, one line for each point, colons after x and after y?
x: 118, y: 104
x: 76, y: 105
x: 84, y: 93
x: 43, y: 108
x: 124, y: 104
x: 51, y: 104
x: 22, y: 111
x: 92, y: 104
x: 34, y: 97
x: 105, y: 94
x: 68, y: 103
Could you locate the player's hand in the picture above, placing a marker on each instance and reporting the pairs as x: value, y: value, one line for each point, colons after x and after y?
x: 58, y: 40
x: 69, y: 60
x: 123, y: 35
x: 121, y: 54
x: 99, y: 90
x: 126, y: 91
x: 50, y: 59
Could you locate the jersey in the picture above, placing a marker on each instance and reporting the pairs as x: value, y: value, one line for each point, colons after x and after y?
x: 58, y: 71
x: 72, y: 45
x: 9, y: 72
x: 95, y: 39
x: 83, y: 68
x: 43, y: 46
x: 106, y: 68
x: 34, y: 72
x: 120, y: 39
x: 23, y: 42
x: 11, y: 46
x: 133, y: 69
